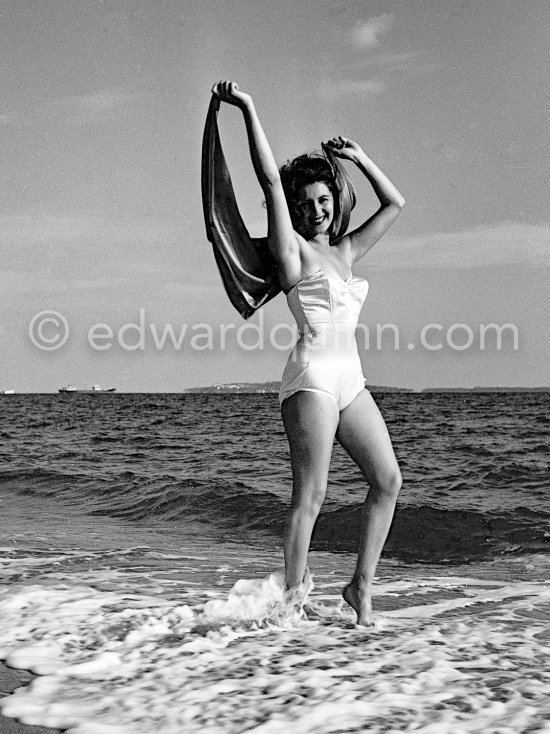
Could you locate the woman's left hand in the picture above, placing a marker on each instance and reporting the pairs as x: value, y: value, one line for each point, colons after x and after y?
x: 343, y: 148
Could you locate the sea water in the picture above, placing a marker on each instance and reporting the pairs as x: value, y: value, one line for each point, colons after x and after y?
x: 141, y: 569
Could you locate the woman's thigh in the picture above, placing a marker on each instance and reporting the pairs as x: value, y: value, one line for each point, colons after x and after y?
x: 310, y: 420
x: 363, y: 433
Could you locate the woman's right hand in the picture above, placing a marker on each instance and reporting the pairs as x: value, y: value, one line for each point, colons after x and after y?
x: 229, y: 92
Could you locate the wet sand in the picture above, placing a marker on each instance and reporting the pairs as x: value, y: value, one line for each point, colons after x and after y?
x: 11, y: 679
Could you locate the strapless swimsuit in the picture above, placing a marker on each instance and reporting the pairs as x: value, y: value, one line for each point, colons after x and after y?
x: 325, y: 357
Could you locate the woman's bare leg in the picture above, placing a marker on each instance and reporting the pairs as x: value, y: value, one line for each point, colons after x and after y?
x: 310, y: 420
x: 363, y: 434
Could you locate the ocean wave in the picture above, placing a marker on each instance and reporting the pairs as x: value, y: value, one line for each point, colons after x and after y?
x: 436, y: 535
x: 420, y: 532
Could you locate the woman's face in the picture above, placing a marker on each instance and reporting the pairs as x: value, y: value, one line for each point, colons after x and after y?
x: 315, y: 209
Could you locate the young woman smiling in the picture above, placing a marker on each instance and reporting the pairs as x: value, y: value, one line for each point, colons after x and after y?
x: 323, y: 393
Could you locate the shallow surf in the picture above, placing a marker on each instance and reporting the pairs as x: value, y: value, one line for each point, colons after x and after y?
x: 143, y: 585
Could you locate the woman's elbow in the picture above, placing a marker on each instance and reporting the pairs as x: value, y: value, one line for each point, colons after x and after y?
x: 270, y: 179
x: 393, y: 208
x: 394, y: 203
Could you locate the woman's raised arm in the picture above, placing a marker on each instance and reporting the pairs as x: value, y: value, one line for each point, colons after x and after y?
x: 361, y: 239
x: 281, y: 236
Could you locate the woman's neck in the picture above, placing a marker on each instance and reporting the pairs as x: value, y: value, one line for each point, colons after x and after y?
x: 322, y: 241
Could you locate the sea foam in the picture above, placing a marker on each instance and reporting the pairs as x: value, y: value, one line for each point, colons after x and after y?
x: 451, y: 654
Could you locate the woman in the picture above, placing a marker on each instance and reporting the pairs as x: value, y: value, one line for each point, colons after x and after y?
x: 322, y: 393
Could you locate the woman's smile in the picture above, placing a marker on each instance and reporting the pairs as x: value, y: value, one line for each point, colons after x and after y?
x: 316, y: 207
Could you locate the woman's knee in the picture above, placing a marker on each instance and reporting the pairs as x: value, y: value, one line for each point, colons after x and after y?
x: 389, y: 484
x: 309, y: 501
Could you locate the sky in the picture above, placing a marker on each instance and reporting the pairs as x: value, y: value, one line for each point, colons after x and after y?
x: 106, y: 275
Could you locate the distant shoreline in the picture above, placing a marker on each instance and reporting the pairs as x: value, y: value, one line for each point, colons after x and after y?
x: 273, y: 387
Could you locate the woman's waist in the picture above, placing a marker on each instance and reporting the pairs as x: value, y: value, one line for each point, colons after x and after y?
x: 327, y: 338
x: 318, y: 328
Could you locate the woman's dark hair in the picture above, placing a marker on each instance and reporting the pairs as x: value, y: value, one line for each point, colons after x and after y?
x: 303, y: 170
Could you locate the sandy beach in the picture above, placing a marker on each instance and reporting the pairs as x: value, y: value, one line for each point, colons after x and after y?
x: 11, y: 679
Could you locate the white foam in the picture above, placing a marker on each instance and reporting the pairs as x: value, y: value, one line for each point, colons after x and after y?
x: 451, y: 654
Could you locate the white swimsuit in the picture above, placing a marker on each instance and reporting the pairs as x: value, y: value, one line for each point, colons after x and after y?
x: 325, y: 357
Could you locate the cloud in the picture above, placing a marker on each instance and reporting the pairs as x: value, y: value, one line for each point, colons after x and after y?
x: 405, y: 62
x: 74, y: 110
x: 366, y: 34
x: 82, y: 109
x: 6, y: 118
x: 351, y: 87
x: 18, y: 282
x: 182, y: 290
x: 394, y: 60
x: 506, y: 243
x: 86, y: 245
x: 78, y: 229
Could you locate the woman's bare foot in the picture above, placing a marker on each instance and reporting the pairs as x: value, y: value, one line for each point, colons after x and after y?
x: 360, y: 602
